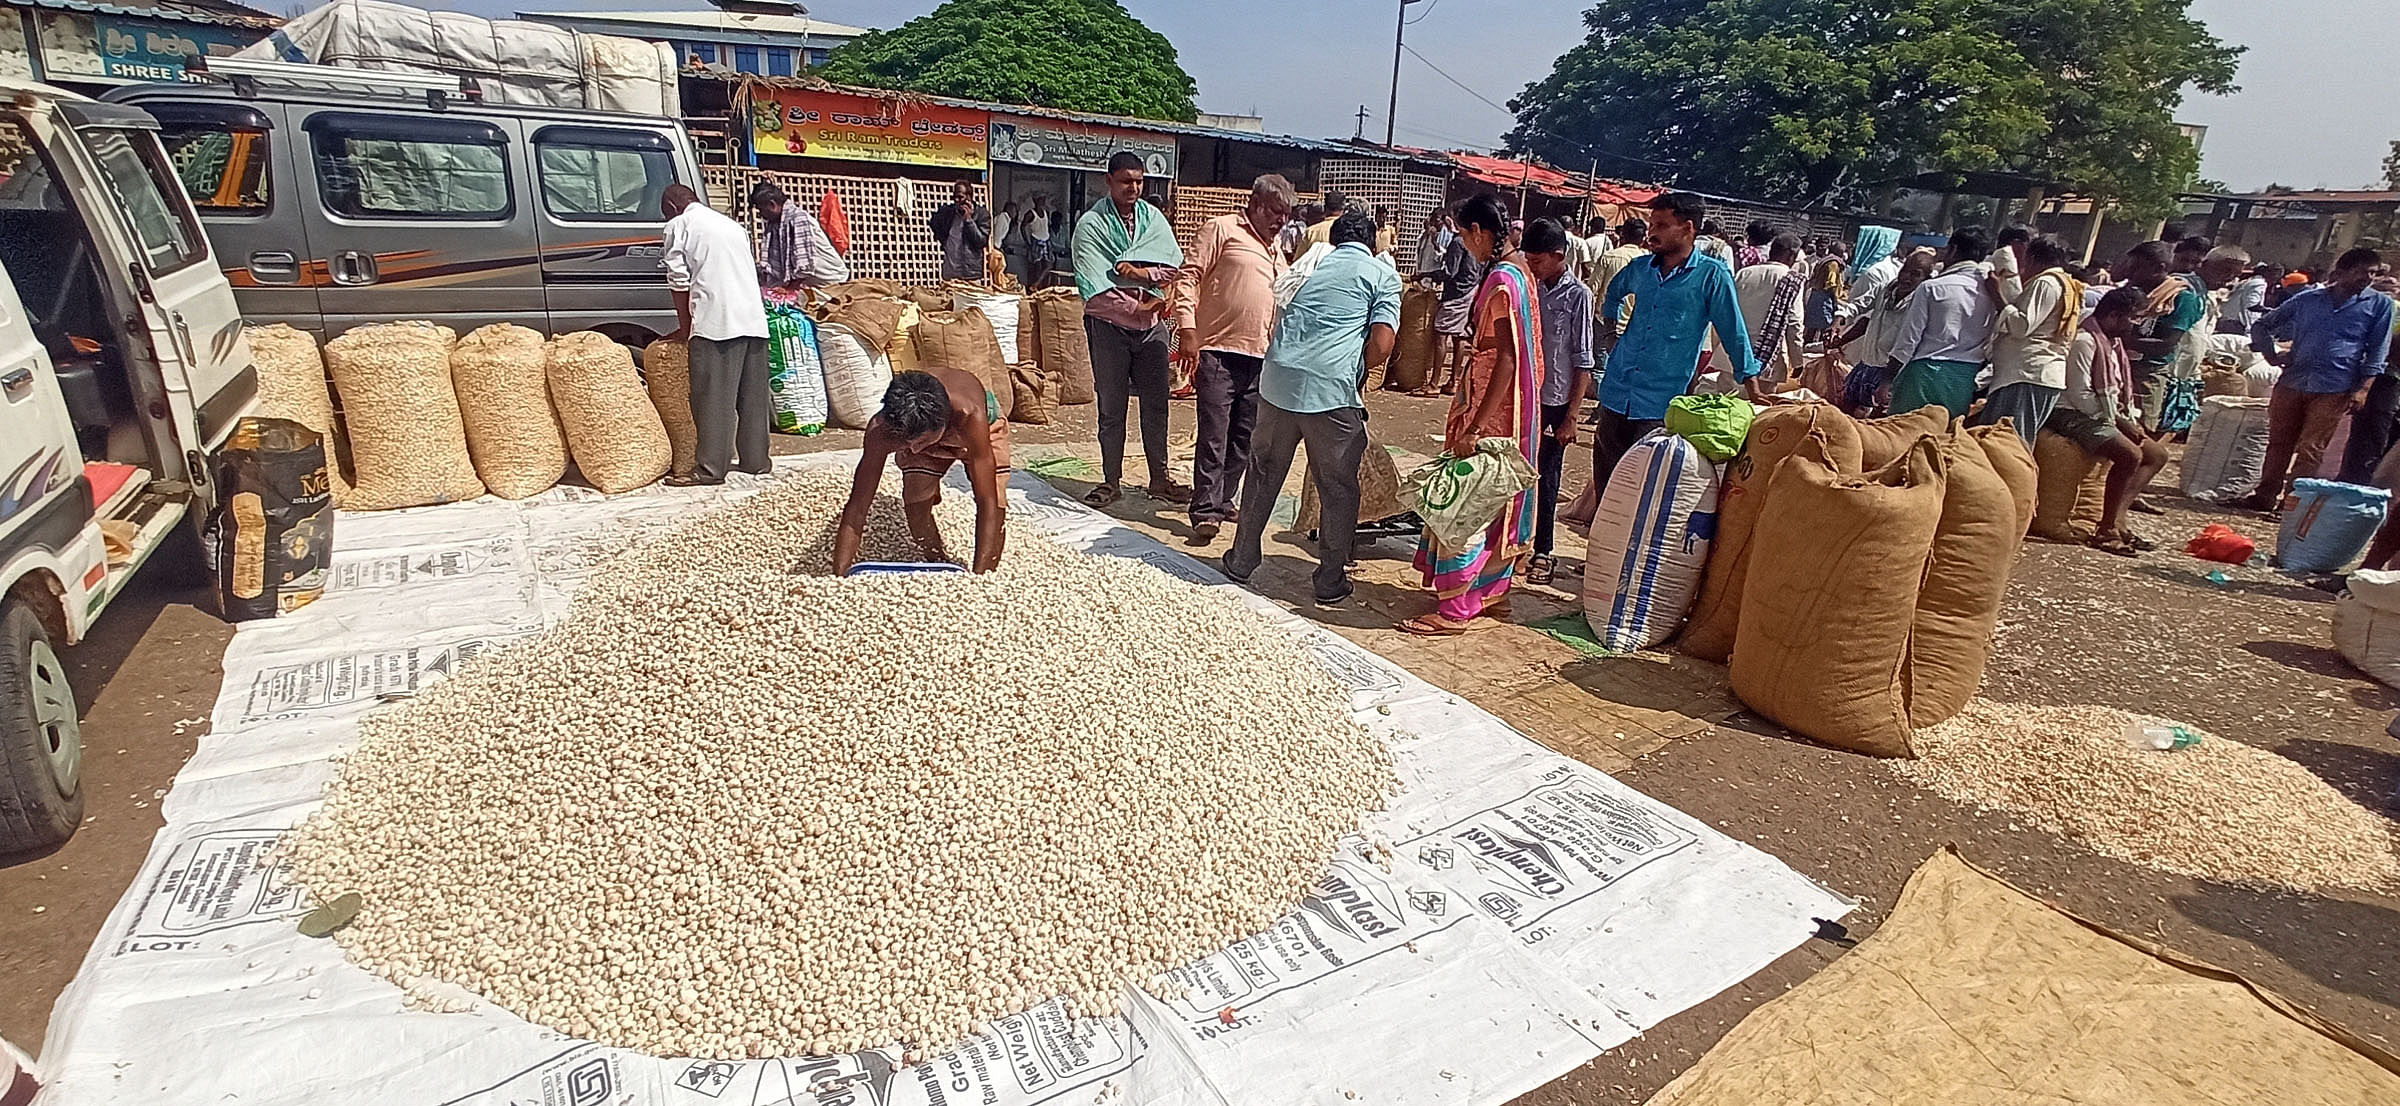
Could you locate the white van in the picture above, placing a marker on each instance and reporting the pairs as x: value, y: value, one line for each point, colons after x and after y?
x: 122, y: 370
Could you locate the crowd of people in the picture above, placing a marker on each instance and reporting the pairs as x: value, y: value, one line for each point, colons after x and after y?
x: 1281, y: 311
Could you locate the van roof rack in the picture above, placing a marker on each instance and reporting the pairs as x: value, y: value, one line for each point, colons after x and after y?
x: 247, y: 74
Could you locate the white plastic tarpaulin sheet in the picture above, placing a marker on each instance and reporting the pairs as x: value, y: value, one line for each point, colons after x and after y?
x: 514, y: 61
x: 1512, y: 915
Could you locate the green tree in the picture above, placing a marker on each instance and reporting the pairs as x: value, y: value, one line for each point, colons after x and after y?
x: 2391, y: 168
x: 1810, y: 99
x: 1081, y: 55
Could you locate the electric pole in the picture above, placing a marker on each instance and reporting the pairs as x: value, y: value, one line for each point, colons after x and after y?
x: 1392, y: 111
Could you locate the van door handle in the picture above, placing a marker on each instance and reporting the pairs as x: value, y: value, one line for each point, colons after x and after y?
x: 353, y: 267
x: 18, y: 385
x: 275, y: 267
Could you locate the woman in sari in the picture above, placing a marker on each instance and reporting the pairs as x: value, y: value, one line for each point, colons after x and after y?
x: 1498, y: 396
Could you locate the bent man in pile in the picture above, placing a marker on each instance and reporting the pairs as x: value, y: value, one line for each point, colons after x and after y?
x: 931, y: 419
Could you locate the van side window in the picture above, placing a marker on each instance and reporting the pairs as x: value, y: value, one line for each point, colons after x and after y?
x: 138, y: 178
x: 411, y: 167
x: 600, y: 175
x: 224, y: 169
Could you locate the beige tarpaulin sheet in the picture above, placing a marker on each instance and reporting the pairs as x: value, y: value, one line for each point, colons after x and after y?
x: 1975, y: 994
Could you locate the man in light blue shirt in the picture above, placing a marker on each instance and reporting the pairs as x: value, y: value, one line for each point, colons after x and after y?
x: 1946, y: 334
x: 1343, y: 322
x: 1679, y: 294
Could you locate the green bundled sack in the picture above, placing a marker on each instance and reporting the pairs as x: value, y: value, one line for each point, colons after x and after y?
x: 1716, y: 425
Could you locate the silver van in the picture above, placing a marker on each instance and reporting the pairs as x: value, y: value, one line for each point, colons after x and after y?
x: 334, y: 208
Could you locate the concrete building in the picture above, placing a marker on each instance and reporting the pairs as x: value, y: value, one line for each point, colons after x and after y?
x: 742, y: 41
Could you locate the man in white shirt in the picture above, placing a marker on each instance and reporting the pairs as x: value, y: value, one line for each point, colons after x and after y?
x: 2008, y: 263
x: 718, y: 310
x: 1947, y: 334
x: 2030, y: 346
x: 1770, y: 301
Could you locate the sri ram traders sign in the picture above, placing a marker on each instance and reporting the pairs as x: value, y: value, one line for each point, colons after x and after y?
x: 1063, y: 144
x: 860, y: 128
x: 76, y: 46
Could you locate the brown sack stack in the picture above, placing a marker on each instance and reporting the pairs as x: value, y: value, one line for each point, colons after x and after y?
x: 1881, y: 441
x: 963, y: 340
x: 1774, y: 435
x: 1066, y: 352
x: 291, y: 385
x: 2072, y: 491
x: 1413, y: 357
x: 667, y: 371
x: 1966, y: 575
x: 512, y: 433
x: 1827, y: 621
x: 406, y: 435
x: 618, y: 440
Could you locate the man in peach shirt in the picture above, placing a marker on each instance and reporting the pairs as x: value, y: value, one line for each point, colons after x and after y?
x: 1223, y: 318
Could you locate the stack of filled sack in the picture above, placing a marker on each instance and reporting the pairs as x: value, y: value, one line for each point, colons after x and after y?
x: 835, y: 352
x: 429, y: 417
x: 1850, y: 570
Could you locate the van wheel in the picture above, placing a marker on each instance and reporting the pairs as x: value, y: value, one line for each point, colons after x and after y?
x: 41, y: 744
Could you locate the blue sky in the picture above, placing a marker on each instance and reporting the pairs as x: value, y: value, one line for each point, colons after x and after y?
x: 1308, y: 67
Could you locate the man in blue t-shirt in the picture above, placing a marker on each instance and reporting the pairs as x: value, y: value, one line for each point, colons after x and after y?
x: 1679, y: 295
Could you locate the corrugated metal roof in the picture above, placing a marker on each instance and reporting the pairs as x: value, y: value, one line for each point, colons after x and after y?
x: 1127, y: 122
x: 186, y: 11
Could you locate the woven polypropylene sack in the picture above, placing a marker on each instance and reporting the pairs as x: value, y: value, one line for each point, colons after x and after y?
x: 902, y: 352
x: 2366, y: 624
x: 1966, y: 576
x: 1413, y: 357
x: 408, y: 442
x: 1830, y: 605
x: 795, y: 372
x: 1649, y: 542
x: 1066, y: 349
x: 667, y: 372
x: 2064, y: 508
x: 1741, y: 494
x: 616, y: 436
x: 504, y: 397
x: 876, y: 320
x: 1005, y: 310
x: 855, y: 376
x: 1378, y: 488
x: 2227, y: 451
x: 1717, y: 425
x: 1880, y: 441
x: 2327, y: 524
x: 291, y: 385
x: 963, y: 340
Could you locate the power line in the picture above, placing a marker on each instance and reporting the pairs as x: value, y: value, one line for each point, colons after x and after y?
x: 1412, y: 51
x: 1428, y: 11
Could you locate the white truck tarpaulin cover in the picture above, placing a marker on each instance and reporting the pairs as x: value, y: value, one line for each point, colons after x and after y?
x: 1532, y: 912
x: 514, y: 61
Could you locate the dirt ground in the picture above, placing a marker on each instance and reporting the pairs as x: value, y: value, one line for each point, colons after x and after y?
x: 2247, y: 658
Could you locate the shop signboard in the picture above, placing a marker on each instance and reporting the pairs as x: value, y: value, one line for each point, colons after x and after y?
x: 1065, y: 144
x: 112, y: 49
x: 839, y: 125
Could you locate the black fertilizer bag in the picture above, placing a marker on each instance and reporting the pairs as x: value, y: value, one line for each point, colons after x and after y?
x: 275, y: 519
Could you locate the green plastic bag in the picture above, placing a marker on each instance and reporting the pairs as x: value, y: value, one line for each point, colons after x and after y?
x: 1716, y: 425
x: 1458, y: 497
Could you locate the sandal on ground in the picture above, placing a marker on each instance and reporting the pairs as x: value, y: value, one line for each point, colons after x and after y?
x: 2117, y: 544
x: 1170, y: 492
x: 2144, y: 506
x: 1428, y: 392
x: 1104, y: 495
x: 1432, y: 625
x: 1541, y: 569
x: 2135, y: 539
